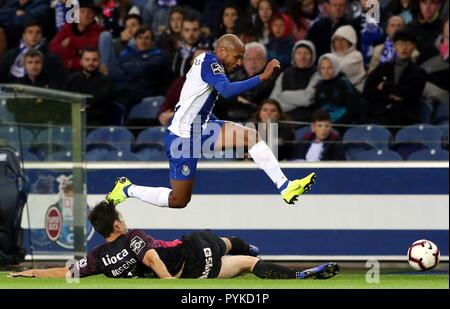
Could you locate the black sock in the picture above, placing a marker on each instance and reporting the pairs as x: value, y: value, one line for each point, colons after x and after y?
x: 238, y: 246
x: 265, y: 270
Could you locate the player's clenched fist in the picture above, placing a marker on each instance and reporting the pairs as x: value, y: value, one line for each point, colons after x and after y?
x: 271, y: 68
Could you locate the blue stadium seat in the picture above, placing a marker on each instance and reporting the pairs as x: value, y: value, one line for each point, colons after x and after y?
x: 428, y: 135
x: 374, y: 135
x: 27, y: 156
x: 113, y: 156
x: 148, y: 108
x: 429, y: 155
x: 96, y: 153
x: 378, y: 155
x: 62, y: 156
x: 117, y: 137
x: 11, y: 135
x: 301, y: 132
x: 151, y: 135
x: 352, y: 150
x: 152, y: 154
x: 60, y: 135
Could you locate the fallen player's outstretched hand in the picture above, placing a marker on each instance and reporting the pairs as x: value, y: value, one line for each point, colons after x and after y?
x: 272, y: 67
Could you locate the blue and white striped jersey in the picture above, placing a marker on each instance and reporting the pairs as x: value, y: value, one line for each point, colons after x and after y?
x: 205, y: 80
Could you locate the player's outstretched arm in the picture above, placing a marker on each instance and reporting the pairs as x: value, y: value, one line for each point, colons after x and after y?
x: 152, y: 260
x: 41, y: 273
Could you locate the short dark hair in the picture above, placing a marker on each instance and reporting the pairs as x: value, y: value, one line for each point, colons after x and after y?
x: 191, y: 18
x: 33, y: 53
x: 32, y: 23
x: 143, y: 30
x: 405, y: 36
x: 320, y: 115
x: 89, y: 49
x: 102, y: 218
x: 133, y: 16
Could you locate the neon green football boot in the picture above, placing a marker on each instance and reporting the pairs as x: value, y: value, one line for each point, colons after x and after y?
x: 117, y: 195
x: 298, y: 187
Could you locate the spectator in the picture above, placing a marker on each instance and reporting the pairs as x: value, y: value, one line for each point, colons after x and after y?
x: 191, y: 41
x: 172, y: 96
x: 270, y: 110
x: 384, y: 53
x: 89, y: 80
x: 321, y: 144
x: 371, y: 32
x: 251, y: 11
x: 111, y: 48
x: 169, y: 40
x: 350, y: 59
x: 156, y: 14
x: 437, y: 68
x: 302, y: 13
x: 322, y: 30
x: 427, y: 27
x: 394, y: 88
x: 228, y: 16
x: 33, y: 62
x: 12, y: 68
x: 136, y: 73
x: 336, y: 94
x: 281, y: 43
x: 244, y: 31
x: 74, y: 37
x: 113, y: 15
x: 295, y: 87
x: 401, y: 8
x: 242, y: 108
x: 15, y: 14
x: 267, y: 9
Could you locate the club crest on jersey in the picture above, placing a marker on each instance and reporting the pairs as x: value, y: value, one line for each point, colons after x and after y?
x: 186, y: 170
x: 217, y: 69
x: 137, y: 244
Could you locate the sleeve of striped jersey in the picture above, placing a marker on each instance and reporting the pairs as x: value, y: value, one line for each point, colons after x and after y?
x: 222, y: 84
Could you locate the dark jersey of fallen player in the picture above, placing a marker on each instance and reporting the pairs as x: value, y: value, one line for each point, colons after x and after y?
x: 123, y: 257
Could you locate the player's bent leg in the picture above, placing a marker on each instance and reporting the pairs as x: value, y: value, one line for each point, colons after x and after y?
x: 237, y: 246
x: 233, y: 266
x: 181, y: 193
x: 236, y: 135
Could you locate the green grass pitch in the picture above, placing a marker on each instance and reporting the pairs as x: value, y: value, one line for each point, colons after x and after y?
x: 347, y: 279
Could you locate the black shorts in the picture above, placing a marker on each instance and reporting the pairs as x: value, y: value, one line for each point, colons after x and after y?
x: 203, y: 253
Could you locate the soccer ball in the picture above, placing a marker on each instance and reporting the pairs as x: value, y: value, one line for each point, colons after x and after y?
x: 423, y: 255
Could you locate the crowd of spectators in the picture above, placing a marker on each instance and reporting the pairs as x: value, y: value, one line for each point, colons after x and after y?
x: 356, y: 62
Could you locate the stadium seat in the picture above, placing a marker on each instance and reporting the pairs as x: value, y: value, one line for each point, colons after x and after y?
x: 151, y: 135
x: 374, y: 135
x: 113, y: 156
x: 63, y: 156
x: 378, y: 155
x: 300, y: 133
x: 152, y: 154
x: 429, y: 155
x: 117, y: 137
x: 428, y: 135
x: 352, y: 150
x: 27, y: 156
x: 60, y: 135
x: 148, y: 108
x: 96, y: 153
x: 117, y: 114
x: 11, y: 135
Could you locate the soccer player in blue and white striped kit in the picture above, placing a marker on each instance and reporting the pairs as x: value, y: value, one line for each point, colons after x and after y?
x: 194, y: 128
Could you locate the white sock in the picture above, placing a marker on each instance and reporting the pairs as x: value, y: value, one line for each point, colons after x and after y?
x: 155, y: 196
x: 265, y: 159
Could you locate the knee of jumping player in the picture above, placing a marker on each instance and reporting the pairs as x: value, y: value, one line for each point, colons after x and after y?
x: 179, y: 201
